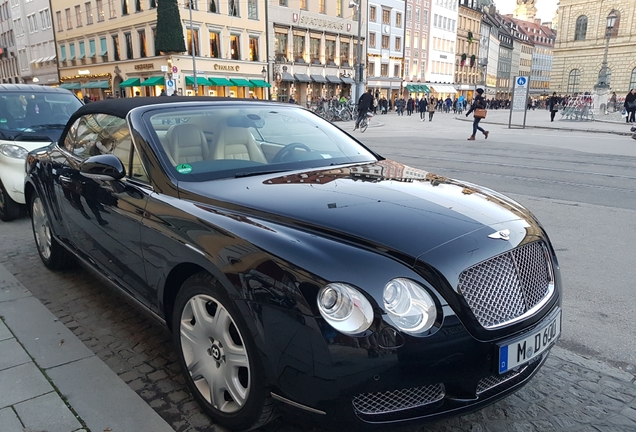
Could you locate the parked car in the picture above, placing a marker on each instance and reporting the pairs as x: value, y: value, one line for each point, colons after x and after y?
x: 31, y: 116
x: 299, y: 271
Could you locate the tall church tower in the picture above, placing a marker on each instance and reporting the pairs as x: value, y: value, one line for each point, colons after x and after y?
x: 525, y: 10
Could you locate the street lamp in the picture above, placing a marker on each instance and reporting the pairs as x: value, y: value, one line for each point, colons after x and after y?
x: 602, y: 83
x: 195, y: 86
x: 359, y: 66
x: 264, y: 75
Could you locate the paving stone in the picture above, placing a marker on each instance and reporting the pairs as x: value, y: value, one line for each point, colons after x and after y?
x: 4, y: 332
x: 9, y: 421
x: 12, y: 354
x: 47, y: 413
x: 25, y: 381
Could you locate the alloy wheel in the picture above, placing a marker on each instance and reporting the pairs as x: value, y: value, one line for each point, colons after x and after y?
x: 41, y: 228
x: 214, y: 353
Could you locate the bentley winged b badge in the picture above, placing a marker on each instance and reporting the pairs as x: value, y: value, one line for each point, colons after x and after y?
x: 502, y: 235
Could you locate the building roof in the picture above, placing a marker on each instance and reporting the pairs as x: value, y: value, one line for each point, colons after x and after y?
x: 536, y: 32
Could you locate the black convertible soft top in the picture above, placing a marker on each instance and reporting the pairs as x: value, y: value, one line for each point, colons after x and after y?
x: 121, y: 107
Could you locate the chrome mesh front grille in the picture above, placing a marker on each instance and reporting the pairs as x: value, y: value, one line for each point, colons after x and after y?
x: 493, y: 381
x: 507, y: 286
x: 397, y: 400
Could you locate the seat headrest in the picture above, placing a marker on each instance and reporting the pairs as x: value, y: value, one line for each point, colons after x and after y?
x: 186, y: 135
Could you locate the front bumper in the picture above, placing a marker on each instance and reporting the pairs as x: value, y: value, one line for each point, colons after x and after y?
x: 425, y: 378
x: 12, y: 175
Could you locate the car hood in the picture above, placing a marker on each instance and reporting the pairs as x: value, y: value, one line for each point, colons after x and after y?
x: 385, y: 205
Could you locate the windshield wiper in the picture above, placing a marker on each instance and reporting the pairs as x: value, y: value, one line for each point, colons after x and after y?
x: 24, y: 137
x: 255, y: 173
x: 49, y: 126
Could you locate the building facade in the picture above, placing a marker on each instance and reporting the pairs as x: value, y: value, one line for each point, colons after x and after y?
x: 385, y: 41
x: 9, y: 67
x: 443, y: 47
x: 490, y: 51
x: 313, y: 48
x: 504, y: 64
x: 416, y: 46
x: 468, y: 37
x: 580, y: 46
x: 107, y: 47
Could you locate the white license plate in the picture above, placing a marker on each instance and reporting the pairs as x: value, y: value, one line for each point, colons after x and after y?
x: 522, y: 351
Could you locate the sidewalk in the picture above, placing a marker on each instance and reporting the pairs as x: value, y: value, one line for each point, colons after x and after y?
x: 51, y: 382
x: 540, y: 119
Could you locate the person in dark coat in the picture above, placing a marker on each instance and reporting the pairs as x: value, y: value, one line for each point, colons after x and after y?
x: 630, y: 106
x: 422, y: 107
x: 554, y: 106
x: 478, y: 102
x: 365, y: 103
x: 409, y: 106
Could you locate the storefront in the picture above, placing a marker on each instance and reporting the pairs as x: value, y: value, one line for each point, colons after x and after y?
x: 417, y: 90
x: 95, y: 87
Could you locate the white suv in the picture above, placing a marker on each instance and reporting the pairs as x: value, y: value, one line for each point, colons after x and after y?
x: 31, y: 117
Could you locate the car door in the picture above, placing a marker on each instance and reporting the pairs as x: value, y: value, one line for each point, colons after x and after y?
x: 104, y: 216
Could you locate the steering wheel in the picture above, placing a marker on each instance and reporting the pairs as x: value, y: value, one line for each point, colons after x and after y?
x: 287, y: 150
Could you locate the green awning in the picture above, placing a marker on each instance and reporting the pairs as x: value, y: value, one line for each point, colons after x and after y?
x: 410, y: 88
x: 201, y: 81
x: 153, y: 81
x: 97, y: 85
x: 240, y: 82
x: 260, y: 83
x: 425, y: 88
x: 71, y: 86
x: 131, y: 82
x: 220, y: 82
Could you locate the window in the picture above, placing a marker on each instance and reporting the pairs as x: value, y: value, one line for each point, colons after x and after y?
x: 396, y: 70
x: 406, y: 67
x: 384, y: 70
x: 314, y: 50
x: 372, y: 13
x: 214, y: 7
x: 62, y: 52
x: 414, y: 71
x: 71, y: 54
x: 282, y: 2
x: 89, y: 13
x: 99, y: 6
x: 33, y: 23
x: 617, y: 23
x: 339, y: 8
x: 386, y: 16
x: 111, y: 8
x: 194, y: 4
x: 235, y: 47
x: 372, y: 40
x: 91, y: 48
x: 153, y: 4
x: 141, y: 35
x: 58, y: 17
x: 417, y: 15
x: 574, y: 80
x: 398, y: 43
x: 398, y: 19
x: 280, y: 46
x: 103, y: 46
x: 129, y: 46
x: 581, y: 28
x: 69, y: 22
x: 416, y: 37
x: 138, y: 6
x: 124, y: 7
x: 252, y: 9
x: 82, y: 50
x: 193, y: 37
x: 407, y: 41
x: 385, y: 41
x: 423, y: 46
x: 116, y: 55
x: 299, y: 48
x: 409, y: 12
x: 303, y: 4
x: 233, y: 8
x: 371, y: 69
x: 330, y: 52
x: 321, y: 6
x: 45, y: 18
x: 344, y: 54
x: 78, y: 15
x: 632, y: 81
x: 253, y: 49
x: 425, y: 19
x: 215, y: 45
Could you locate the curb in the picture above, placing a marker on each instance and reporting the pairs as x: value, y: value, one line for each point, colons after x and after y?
x: 556, y: 129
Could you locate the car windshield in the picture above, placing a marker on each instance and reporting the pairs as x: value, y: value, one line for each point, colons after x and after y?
x: 35, y: 116
x: 210, y: 142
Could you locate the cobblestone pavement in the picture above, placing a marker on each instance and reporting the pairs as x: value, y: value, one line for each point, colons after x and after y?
x: 571, y: 393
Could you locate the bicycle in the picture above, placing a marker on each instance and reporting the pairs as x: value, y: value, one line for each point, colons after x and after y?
x: 364, y: 123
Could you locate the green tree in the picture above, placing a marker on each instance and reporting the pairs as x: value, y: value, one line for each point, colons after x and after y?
x: 169, y: 28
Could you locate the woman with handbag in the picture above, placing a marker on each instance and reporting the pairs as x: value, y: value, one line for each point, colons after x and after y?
x: 630, y: 106
x: 479, y: 107
x: 554, y: 106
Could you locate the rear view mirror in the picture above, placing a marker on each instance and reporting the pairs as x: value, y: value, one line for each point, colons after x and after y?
x: 106, y: 167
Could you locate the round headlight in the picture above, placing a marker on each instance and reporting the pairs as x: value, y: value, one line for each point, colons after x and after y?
x: 410, y: 306
x: 13, y: 151
x: 345, y: 308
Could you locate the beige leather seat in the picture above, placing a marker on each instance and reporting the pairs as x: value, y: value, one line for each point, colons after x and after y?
x: 237, y: 143
x: 187, y: 143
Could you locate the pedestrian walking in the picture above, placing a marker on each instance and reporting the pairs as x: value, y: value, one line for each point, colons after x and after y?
x: 409, y: 106
x: 554, y: 106
x: 478, y: 104
x: 422, y: 106
x: 432, y: 104
x: 630, y: 106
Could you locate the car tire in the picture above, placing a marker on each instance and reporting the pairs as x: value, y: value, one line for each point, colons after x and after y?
x: 53, y: 255
x: 238, y: 398
x: 9, y: 209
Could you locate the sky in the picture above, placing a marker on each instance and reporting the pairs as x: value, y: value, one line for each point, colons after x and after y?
x: 545, y: 8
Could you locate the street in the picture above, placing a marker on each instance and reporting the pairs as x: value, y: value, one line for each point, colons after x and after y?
x: 580, y: 185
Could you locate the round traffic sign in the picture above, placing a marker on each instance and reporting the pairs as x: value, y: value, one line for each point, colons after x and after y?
x: 521, y: 81
x: 170, y: 83
x: 175, y: 69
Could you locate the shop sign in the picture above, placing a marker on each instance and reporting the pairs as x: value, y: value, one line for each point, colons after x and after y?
x: 83, y: 72
x: 229, y: 68
x: 144, y: 66
x: 322, y: 23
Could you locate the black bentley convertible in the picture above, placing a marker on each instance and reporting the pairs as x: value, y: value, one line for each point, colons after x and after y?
x: 298, y: 270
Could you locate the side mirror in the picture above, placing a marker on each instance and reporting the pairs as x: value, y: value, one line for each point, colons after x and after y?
x: 106, y: 167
